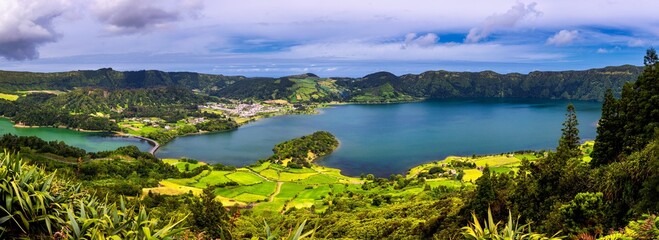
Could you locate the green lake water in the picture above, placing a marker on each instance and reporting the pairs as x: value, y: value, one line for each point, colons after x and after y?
x: 386, y: 139
x: 92, y: 142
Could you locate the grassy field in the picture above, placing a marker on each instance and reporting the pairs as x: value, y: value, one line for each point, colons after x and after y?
x: 10, y: 97
x: 290, y: 190
x: 141, y: 128
x: 244, y: 178
x: 181, y: 165
x: 277, y: 188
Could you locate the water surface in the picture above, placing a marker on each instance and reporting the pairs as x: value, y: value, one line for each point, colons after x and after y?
x: 386, y: 139
x: 90, y: 141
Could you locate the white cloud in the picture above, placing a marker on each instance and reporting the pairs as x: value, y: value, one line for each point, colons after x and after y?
x: 602, y: 50
x: 564, y: 37
x: 428, y: 40
x: 502, y: 21
x: 27, y: 24
x: 637, y: 43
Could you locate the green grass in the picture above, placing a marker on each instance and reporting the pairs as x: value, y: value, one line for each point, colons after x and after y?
x: 287, y: 177
x: 181, y: 165
x: 444, y: 182
x: 289, y: 190
x: 338, y: 188
x: 275, y: 206
x: 527, y: 156
x: 248, y: 197
x: 320, y: 179
x: 300, y: 203
x: 139, y: 128
x: 214, y: 178
x: 300, y: 170
x: 502, y: 169
x: 261, y: 167
x: 496, y: 160
x: 263, y: 189
x: 407, y: 192
x: 10, y: 97
x: 183, y: 181
x: 315, y: 193
x: 244, y: 178
x: 270, y: 174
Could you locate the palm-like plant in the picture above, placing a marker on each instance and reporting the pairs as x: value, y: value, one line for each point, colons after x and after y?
x: 512, y: 230
x: 297, y: 235
x: 34, y: 202
x: 31, y: 199
x: 100, y: 220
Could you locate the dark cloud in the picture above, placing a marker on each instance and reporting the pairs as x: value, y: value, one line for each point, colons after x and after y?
x: 128, y: 17
x: 26, y: 25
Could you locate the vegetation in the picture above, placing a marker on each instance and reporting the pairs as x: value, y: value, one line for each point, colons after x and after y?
x: 612, y: 196
x: 40, y: 205
x: 378, y: 87
x: 299, y: 152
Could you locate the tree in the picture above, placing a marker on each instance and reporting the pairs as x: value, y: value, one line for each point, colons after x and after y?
x: 210, y: 216
x: 568, y: 145
x: 583, y: 214
x: 485, y: 193
x: 650, y: 57
x: 607, y: 143
x: 639, y: 104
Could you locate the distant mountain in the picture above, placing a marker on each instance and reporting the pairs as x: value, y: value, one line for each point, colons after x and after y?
x: 377, y: 87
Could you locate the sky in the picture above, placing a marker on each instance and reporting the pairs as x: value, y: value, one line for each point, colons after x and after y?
x: 330, y: 38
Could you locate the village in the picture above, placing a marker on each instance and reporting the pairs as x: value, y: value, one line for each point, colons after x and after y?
x: 246, y: 109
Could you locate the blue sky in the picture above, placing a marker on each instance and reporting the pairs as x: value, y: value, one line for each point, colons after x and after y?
x: 329, y: 38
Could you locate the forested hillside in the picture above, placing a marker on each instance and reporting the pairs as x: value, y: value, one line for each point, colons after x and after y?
x: 110, y: 79
x: 377, y: 87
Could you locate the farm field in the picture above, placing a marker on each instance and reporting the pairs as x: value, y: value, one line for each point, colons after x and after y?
x: 10, y: 97
x: 273, y: 187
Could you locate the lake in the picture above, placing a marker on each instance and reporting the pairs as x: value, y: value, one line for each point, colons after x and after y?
x: 90, y: 141
x: 391, y: 138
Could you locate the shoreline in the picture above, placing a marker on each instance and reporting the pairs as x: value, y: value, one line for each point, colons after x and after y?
x: 155, y: 145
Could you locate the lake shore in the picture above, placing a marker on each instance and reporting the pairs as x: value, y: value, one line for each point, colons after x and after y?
x: 155, y: 145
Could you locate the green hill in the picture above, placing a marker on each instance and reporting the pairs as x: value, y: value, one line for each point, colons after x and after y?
x: 377, y: 87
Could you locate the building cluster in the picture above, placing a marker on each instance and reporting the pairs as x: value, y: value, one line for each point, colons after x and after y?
x: 242, y: 109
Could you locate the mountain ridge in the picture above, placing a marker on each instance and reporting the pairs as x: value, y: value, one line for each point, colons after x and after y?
x: 375, y: 87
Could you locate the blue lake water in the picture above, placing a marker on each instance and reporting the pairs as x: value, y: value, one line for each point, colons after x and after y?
x: 386, y: 139
x: 92, y: 142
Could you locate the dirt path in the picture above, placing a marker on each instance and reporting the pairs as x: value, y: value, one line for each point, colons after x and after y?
x: 272, y: 197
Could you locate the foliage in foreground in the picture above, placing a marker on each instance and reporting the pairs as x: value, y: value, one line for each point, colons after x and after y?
x: 512, y: 230
x: 39, y: 205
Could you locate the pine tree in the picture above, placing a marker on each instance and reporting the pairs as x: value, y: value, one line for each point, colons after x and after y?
x: 650, y: 57
x: 568, y: 145
x: 641, y: 106
x: 607, y: 143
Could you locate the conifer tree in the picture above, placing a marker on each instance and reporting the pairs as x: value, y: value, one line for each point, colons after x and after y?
x: 641, y: 106
x: 607, y: 143
x: 568, y: 145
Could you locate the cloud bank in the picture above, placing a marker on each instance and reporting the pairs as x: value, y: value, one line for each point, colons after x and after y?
x: 27, y: 24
